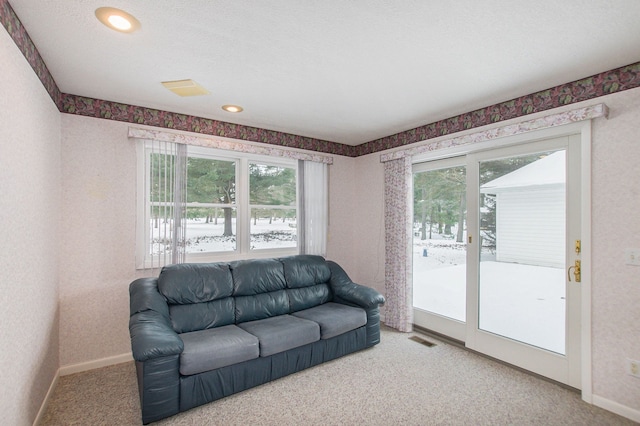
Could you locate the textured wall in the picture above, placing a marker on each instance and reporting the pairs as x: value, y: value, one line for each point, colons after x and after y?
x: 98, y: 246
x: 368, y: 222
x: 615, y: 226
x: 342, y: 179
x: 29, y: 218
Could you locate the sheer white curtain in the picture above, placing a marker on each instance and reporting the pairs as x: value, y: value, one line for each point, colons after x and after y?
x: 163, y: 207
x: 314, y: 211
x: 179, y: 236
x: 397, y: 196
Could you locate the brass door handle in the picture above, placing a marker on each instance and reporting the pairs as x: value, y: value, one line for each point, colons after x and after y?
x: 576, y: 272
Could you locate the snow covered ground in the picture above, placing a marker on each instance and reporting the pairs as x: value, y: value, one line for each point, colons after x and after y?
x: 207, y: 237
x: 522, y: 302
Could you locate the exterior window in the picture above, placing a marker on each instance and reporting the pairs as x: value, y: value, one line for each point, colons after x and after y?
x: 203, y: 205
x: 272, y: 204
x: 211, y: 205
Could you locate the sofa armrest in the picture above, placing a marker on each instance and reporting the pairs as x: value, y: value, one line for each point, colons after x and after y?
x: 152, y: 336
x: 345, y: 289
x: 144, y: 296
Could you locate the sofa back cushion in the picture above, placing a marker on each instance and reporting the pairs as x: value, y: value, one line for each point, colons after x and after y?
x: 195, y: 282
x: 308, y: 297
x: 200, y: 316
x: 305, y: 270
x: 259, y: 289
x: 207, y: 295
x: 257, y: 276
x: 261, y: 306
x: 307, y: 278
x: 199, y: 295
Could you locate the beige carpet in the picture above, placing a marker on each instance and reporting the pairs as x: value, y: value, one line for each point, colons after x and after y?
x: 399, y: 381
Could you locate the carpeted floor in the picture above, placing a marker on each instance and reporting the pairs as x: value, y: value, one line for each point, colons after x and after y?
x: 399, y: 381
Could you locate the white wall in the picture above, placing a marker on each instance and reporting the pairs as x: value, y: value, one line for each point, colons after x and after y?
x: 615, y: 226
x: 368, y: 222
x: 29, y: 220
x: 342, y: 178
x: 98, y: 246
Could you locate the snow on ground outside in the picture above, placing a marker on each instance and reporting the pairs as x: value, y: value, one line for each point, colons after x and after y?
x: 522, y: 302
x: 207, y: 237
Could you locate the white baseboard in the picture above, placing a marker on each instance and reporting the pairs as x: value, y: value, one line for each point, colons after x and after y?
x: 92, y: 365
x: 47, y: 397
x: 617, y: 408
x: 78, y: 368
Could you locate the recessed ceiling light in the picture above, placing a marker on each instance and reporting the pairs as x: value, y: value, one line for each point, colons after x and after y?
x: 232, y: 108
x: 117, y: 19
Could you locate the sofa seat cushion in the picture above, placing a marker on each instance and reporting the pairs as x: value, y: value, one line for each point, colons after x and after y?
x: 334, y: 318
x: 213, y: 348
x: 281, y: 333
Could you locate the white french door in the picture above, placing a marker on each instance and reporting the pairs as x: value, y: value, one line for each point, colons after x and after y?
x: 504, y: 258
x: 440, y: 247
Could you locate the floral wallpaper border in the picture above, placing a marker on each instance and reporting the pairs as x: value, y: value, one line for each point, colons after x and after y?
x: 553, y: 120
x: 608, y: 82
x: 170, y: 120
x: 21, y: 38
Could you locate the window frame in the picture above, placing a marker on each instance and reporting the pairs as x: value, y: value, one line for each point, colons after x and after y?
x: 242, y: 205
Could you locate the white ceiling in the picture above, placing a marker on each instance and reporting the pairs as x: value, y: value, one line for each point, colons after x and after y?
x: 344, y: 71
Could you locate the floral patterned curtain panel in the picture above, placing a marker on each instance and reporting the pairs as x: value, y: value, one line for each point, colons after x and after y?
x: 397, y: 193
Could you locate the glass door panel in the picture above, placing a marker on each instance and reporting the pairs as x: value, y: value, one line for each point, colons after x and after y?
x: 522, y: 287
x: 439, y: 247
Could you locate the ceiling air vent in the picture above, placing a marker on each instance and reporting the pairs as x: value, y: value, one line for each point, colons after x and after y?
x: 185, y: 87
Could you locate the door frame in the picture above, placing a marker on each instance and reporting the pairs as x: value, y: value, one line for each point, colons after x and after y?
x: 564, y: 368
x: 583, y: 129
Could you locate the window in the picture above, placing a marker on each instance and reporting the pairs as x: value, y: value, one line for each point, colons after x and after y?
x: 211, y: 210
x: 272, y: 204
x: 202, y: 204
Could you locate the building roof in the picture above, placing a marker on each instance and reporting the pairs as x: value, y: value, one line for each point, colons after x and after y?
x: 550, y: 170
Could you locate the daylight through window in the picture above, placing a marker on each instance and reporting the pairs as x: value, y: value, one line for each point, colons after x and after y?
x: 220, y: 207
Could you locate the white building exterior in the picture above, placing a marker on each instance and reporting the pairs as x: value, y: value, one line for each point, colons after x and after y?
x: 530, y: 213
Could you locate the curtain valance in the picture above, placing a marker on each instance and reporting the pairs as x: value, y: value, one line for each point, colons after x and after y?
x: 226, y: 144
